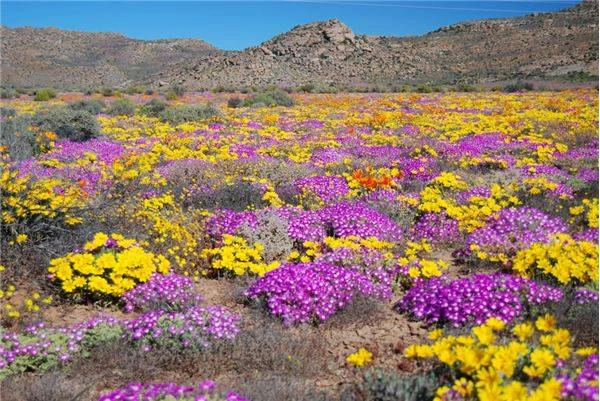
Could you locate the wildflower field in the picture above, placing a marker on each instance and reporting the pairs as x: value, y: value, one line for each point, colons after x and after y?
x: 355, y: 247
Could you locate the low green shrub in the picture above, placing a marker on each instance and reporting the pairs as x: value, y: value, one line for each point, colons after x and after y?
x: 234, y: 102
x: 92, y: 106
x: 66, y: 123
x: 44, y: 94
x: 192, y: 112
x: 8, y: 93
x: 153, y: 108
x: 17, y: 136
x: 518, y: 86
x: 380, y: 385
x: 275, y: 97
x: 121, y: 107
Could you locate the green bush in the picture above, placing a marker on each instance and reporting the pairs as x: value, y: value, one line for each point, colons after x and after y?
x: 107, y: 92
x: 388, y: 386
x: 234, y: 102
x: 181, y: 114
x: 92, y: 106
x: 17, y: 136
x: 153, y: 108
x: 579, y: 77
x: 466, y: 88
x: 8, y: 93
x: 7, y: 112
x: 308, y: 88
x: 132, y: 90
x: 423, y: 88
x: 518, y: 86
x: 44, y: 94
x: 275, y: 97
x: 66, y: 123
x: 121, y: 107
x: 174, y: 92
x: 170, y: 95
x: 178, y: 90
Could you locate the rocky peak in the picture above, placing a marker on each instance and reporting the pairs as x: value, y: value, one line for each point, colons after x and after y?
x: 316, y: 37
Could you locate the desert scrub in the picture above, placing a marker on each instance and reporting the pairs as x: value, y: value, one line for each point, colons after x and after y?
x: 92, y: 106
x: 44, y: 94
x: 380, y: 385
x: 238, y: 195
x: 121, y: 107
x: 176, y: 115
x: 271, y: 232
x: 153, y: 108
x: 17, y: 309
x: 66, y: 123
x: 274, y: 97
x: 8, y: 93
x: 18, y: 140
x: 107, y: 267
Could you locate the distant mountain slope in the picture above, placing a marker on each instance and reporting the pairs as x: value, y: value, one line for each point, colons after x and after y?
x: 71, y: 59
x: 538, y: 45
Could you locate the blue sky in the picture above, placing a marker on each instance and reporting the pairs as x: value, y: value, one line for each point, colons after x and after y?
x: 239, y: 24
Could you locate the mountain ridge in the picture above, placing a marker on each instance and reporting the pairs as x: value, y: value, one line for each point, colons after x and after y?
x: 323, y: 53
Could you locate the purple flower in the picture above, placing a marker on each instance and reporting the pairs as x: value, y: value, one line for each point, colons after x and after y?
x: 472, y: 300
x: 514, y: 229
x: 300, y: 293
x: 171, y: 292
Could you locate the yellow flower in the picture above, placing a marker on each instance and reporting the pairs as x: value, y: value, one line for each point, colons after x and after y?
x: 523, y: 331
x: 587, y: 351
x: 484, y: 334
x: 360, y: 357
x: 495, y: 323
x: 545, y: 323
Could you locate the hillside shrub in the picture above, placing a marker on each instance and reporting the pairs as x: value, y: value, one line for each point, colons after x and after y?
x: 234, y: 102
x: 382, y: 385
x: 66, y: 123
x: 92, y: 106
x: 16, y: 136
x: 44, y: 94
x: 275, y: 97
x: 424, y: 88
x: 518, y: 86
x: 132, y: 90
x: 121, y: 107
x: 8, y: 93
x: 189, y: 112
x: 153, y: 108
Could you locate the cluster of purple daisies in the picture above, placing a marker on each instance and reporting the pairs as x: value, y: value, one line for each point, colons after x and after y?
x: 472, y: 300
x: 513, y: 229
x: 205, y: 391
x: 310, y: 292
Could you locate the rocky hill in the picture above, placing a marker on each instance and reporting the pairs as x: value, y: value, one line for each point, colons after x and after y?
x: 538, y: 45
x: 71, y: 59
